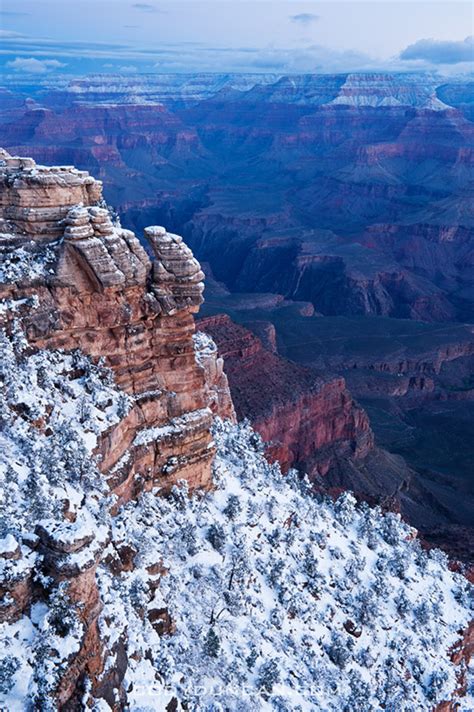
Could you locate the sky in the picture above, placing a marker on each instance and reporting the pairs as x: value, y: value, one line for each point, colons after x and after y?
x: 47, y: 37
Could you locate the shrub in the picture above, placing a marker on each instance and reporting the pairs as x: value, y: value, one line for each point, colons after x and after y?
x: 216, y: 537
x: 212, y: 644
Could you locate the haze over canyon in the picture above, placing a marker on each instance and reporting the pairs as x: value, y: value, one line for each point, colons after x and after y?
x: 333, y: 217
x: 236, y: 356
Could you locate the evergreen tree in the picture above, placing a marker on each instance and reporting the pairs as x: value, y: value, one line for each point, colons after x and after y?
x: 8, y: 667
x: 212, y: 644
x: 268, y: 676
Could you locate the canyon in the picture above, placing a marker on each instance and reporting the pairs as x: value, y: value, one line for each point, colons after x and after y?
x: 146, y: 544
x: 320, y: 188
x: 335, y: 208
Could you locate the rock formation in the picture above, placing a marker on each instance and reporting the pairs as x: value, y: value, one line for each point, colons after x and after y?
x: 100, y: 292
x: 107, y: 399
x: 306, y: 420
x: 76, y: 281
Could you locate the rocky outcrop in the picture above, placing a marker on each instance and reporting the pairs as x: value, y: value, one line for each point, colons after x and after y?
x: 101, y: 293
x: 461, y: 655
x: 305, y: 419
x: 77, y: 282
x: 220, y: 400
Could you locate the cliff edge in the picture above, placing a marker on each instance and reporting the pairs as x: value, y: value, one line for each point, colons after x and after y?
x: 150, y: 556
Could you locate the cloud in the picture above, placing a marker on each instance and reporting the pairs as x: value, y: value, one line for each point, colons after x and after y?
x: 30, y: 65
x: 9, y: 34
x: 8, y: 13
x: 305, y: 18
x: 181, y: 56
x: 440, y: 51
x: 314, y: 58
x: 145, y: 7
x: 128, y: 69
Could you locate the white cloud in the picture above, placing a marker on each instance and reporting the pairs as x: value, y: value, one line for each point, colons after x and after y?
x: 440, y: 51
x: 30, y: 65
x: 9, y: 34
x: 145, y: 7
x: 305, y: 18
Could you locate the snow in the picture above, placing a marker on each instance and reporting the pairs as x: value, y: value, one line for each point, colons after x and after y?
x: 13, y: 305
x: 8, y: 545
x: 364, y: 100
x: 174, y: 428
x: 204, y: 346
x: 264, y: 580
x: 290, y: 571
x: 28, y: 262
x: 435, y: 104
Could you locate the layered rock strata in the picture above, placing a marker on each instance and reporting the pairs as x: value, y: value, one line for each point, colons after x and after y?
x: 306, y: 420
x: 73, y: 281
x: 96, y: 289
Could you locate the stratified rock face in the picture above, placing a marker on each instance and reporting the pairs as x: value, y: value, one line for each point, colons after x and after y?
x: 106, y: 400
x: 72, y: 282
x: 304, y: 419
x: 96, y: 289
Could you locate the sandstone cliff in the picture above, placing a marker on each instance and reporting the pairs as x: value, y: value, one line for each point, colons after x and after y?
x: 115, y: 598
x: 74, y: 282
x: 96, y: 289
x: 306, y: 420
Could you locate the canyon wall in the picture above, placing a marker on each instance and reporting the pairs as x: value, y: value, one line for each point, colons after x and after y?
x: 306, y: 420
x: 73, y: 282
x: 97, y: 290
x: 359, y: 184
x: 309, y: 419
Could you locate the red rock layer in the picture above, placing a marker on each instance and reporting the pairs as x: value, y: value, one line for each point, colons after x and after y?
x: 105, y: 296
x: 305, y: 419
x: 461, y: 655
x: 76, y: 281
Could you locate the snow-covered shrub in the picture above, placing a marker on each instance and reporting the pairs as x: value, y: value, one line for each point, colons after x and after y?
x: 216, y: 536
x: 436, y: 684
x: 233, y: 506
x: 338, y: 650
x: 28, y: 262
x: 8, y: 667
x: 300, y: 606
x: 212, y: 644
x: 279, y: 600
x: 268, y: 676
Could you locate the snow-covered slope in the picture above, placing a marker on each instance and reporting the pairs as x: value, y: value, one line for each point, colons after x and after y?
x: 256, y: 596
x: 285, y: 602
x: 52, y: 408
